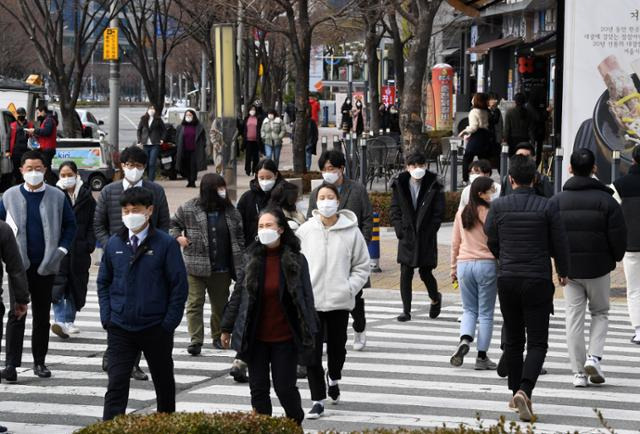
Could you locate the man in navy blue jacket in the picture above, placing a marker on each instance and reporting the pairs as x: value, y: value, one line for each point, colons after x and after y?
x: 142, y: 289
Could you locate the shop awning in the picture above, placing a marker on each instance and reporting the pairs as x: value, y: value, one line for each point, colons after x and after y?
x: 496, y: 43
x: 449, y: 51
x: 471, y: 8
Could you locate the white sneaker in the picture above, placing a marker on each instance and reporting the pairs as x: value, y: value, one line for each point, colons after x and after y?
x: 72, y: 329
x: 359, y: 341
x: 594, y: 370
x: 580, y: 380
x: 60, y: 329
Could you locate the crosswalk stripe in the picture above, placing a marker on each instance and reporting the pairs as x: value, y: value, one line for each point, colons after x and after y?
x: 405, y: 367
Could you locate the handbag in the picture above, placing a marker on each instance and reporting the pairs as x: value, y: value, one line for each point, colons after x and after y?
x: 6, y: 165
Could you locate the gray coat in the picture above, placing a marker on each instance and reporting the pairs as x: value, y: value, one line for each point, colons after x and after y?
x: 108, y: 217
x: 353, y: 197
x: 190, y: 220
x: 201, y: 147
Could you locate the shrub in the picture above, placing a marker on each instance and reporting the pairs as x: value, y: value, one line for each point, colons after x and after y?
x: 381, y: 203
x: 194, y: 423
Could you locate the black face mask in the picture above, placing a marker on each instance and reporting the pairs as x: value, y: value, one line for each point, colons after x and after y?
x: 41, y: 118
x: 21, y: 118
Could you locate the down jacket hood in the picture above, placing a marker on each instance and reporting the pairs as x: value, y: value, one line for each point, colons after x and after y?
x: 338, y: 260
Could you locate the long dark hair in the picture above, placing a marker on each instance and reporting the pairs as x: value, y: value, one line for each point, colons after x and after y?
x: 470, y: 215
x: 288, y: 238
x: 285, y: 195
x: 209, y: 199
x: 195, y: 118
x: 270, y: 165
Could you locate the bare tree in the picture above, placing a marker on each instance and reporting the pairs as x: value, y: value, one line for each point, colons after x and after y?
x: 296, y: 20
x: 420, y: 14
x: 17, y: 57
x: 373, y: 12
x: 50, y: 24
x: 397, y: 51
x: 153, y: 28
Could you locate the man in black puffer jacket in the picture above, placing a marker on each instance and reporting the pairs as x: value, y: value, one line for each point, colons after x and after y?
x: 524, y: 231
x: 597, y: 240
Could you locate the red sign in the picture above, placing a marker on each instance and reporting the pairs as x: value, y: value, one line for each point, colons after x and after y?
x: 388, y: 95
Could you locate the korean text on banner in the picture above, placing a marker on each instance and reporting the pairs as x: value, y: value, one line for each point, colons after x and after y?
x: 601, y: 86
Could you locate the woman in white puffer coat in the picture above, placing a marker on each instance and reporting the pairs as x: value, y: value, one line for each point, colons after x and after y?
x: 339, y: 267
x: 272, y: 133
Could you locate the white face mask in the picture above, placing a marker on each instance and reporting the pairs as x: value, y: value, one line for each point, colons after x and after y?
x: 133, y: 175
x: 266, y: 184
x: 328, y: 208
x: 134, y: 221
x: 271, y: 117
x: 151, y: 113
x: 222, y: 193
x: 188, y: 118
x: 252, y: 113
x: 268, y: 236
x: 33, y: 177
x: 418, y: 173
x: 330, y: 177
x: 68, y: 182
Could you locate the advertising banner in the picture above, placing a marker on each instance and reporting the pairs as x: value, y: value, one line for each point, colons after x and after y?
x: 440, y: 98
x: 316, y: 68
x: 85, y: 158
x: 601, y: 84
x: 388, y: 95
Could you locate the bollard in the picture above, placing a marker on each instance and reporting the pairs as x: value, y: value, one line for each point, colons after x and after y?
x: 324, y: 144
x: 374, y: 245
x: 380, y: 132
x: 336, y: 143
x: 388, y: 130
x: 557, y: 171
x: 504, y: 161
x: 454, y: 164
x: 352, y: 153
x: 371, y: 133
x: 363, y: 162
x: 615, y: 166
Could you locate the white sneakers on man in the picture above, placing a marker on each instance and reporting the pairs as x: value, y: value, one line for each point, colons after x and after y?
x: 72, y: 329
x: 359, y: 341
x: 580, y: 380
x: 594, y: 370
x: 60, y: 329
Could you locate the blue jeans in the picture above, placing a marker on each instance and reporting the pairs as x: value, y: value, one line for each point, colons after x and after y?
x: 152, y: 159
x: 273, y: 152
x: 309, y: 156
x: 478, y: 288
x: 65, y: 310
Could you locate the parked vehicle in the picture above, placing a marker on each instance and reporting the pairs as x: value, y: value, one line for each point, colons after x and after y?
x: 93, y: 157
x: 89, y: 122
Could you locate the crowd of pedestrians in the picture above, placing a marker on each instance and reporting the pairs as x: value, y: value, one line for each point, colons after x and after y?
x: 298, y: 278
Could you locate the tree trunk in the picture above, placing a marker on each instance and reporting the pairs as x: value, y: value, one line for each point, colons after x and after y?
x: 302, y: 116
x: 71, y: 125
x: 411, y: 108
x: 397, y: 54
x: 373, y: 64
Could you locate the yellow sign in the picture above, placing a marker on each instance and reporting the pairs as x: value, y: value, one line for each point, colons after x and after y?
x: 110, y: 44
x: 12, y: 109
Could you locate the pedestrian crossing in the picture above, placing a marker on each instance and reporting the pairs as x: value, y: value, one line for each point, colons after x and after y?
x: 402, y: 378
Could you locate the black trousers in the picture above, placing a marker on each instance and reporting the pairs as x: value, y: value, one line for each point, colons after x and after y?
x: 40, y: 289
x: 333, y: 330
x: 190, y: 166
x: 479, y: 144
x: 252, y: 157
x: 406, y: 281
x: 359, y: 319
x: 526, y: 305
x: 123, y: 347
x: 281, y: 359
x: 50, y: 177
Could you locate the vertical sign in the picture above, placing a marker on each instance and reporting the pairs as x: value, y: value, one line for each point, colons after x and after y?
x: 601, y: 90
x: 110, y: 44
x: 440, y: 98
x: 388, y: 95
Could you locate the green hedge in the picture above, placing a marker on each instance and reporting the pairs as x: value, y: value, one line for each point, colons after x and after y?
x: 381, y: 203
x: 194, y: 423
x: 251, y: 423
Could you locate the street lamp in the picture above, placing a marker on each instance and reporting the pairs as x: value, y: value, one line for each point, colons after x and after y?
x: 225, y: 68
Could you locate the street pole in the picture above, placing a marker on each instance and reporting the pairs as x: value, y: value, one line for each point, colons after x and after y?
x: 615, y: 166
x: 350, y: 78
x: 203, y: 83
x: 114, y: 90
x: 504, y: 161
x: 557, y: 171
